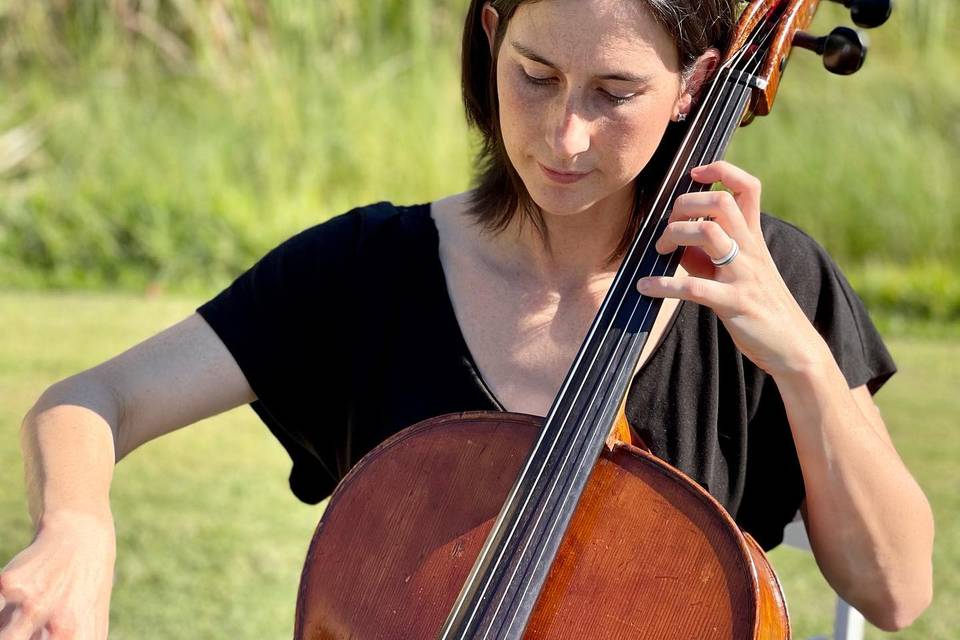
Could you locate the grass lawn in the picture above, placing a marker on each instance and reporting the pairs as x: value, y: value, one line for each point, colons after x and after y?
x: 211, y: 540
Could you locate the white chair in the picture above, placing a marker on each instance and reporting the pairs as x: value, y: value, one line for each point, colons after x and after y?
x: 848, y: 622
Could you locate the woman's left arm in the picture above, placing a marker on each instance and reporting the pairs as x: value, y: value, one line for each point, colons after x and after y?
x: 869, y: 523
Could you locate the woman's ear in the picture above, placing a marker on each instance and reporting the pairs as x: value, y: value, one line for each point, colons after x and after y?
x: 490, y: 19
x: 693, y: 80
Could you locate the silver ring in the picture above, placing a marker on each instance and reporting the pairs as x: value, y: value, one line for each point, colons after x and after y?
x: 730, y: 257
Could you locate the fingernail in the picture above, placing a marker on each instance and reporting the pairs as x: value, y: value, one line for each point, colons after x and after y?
x: 643, y: 285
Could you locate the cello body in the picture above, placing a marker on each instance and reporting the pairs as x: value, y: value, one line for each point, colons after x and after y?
x: 648, y: 554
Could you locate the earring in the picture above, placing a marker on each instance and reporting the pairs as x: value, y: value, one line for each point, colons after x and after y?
x: 681, y: 117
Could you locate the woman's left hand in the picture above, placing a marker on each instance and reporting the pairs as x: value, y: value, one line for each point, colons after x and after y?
x: 748, y: 294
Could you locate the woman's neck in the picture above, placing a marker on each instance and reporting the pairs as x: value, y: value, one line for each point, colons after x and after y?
x: 579, y: 248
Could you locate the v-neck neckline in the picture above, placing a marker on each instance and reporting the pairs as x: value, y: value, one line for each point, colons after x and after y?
x: 450, y: 313
x: 453, y: 322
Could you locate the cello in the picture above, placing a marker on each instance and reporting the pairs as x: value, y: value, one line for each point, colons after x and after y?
x: 502, y: 525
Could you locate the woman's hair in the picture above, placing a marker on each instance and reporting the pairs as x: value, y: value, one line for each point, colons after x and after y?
x: 499, y: 193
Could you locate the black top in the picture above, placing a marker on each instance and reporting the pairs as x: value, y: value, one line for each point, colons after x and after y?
x: 346, y: 334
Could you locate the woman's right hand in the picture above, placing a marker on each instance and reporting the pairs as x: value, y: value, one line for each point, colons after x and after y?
x: 59, y: 586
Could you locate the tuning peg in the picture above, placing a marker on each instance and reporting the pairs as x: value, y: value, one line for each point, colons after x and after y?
x: 868, y: 13
x: 843, y: 51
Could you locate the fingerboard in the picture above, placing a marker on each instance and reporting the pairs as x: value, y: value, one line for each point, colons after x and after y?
x: 502, y: 589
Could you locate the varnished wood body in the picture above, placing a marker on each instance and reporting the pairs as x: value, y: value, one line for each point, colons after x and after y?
x: 751, y: 16
x: 648, y: 554
x: 797, y: 16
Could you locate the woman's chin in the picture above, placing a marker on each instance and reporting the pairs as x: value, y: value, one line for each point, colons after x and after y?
x: 562, y: 201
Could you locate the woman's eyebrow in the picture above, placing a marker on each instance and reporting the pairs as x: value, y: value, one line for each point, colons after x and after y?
x: 526, y: 52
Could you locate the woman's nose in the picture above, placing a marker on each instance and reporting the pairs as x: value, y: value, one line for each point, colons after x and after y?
x: 571, y: 136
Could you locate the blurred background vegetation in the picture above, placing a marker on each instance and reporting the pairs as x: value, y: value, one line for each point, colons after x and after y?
x: 162, y: 146
x: 169, y: 143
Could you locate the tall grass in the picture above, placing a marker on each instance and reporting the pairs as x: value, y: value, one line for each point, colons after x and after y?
x: 147, y: 165
x: 174, y: 141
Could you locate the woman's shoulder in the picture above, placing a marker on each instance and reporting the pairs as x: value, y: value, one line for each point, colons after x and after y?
x: 788, y: 242
x: 812, y: 275
x: 369, y: 221
x: 802, y: 261
x: 828, y: 299
x: 356, y: 235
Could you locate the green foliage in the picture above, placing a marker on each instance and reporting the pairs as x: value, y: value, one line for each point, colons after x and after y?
x: 174, y: 141
x: 141, y: 174
x: 921, y: 291
x: 187, y: 35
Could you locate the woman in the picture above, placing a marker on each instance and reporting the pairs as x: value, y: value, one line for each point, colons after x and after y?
x: 388, y: 315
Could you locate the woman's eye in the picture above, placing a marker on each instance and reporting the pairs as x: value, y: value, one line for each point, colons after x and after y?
x: 615, y: 99
x: 610, y: 97
x: 535, y: 80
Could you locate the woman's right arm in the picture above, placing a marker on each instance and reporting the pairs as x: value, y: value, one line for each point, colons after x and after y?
x: 71, y: 439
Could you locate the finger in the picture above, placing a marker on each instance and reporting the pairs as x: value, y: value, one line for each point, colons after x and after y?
x: 714, y: 205
x: 746, y: 188
x: 20, y: 616
x: 697, y: 263
x: 6, y: 612
x: 23, y: 624
x: 717, y: 295
x: 705, y: 234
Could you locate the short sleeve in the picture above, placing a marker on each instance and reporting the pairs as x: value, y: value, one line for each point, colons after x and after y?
x: 831, y: 304
x: 842, y: 320
x: 284, y: 323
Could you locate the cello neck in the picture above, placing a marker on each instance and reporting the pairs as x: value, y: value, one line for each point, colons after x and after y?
x: 504, y: 584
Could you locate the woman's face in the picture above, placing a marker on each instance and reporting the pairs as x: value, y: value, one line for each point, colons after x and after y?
x: 586, y: 87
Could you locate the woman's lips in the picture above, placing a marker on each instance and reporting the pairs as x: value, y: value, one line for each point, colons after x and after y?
x: 563, y: 177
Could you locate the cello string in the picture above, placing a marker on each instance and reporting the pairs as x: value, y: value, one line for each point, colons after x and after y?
x: 584, y: 442
x: 661, y: 216
x: 728, y: 66
x: 500, y: 521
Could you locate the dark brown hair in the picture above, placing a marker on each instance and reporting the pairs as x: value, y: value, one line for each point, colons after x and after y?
x: 499, y: 193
